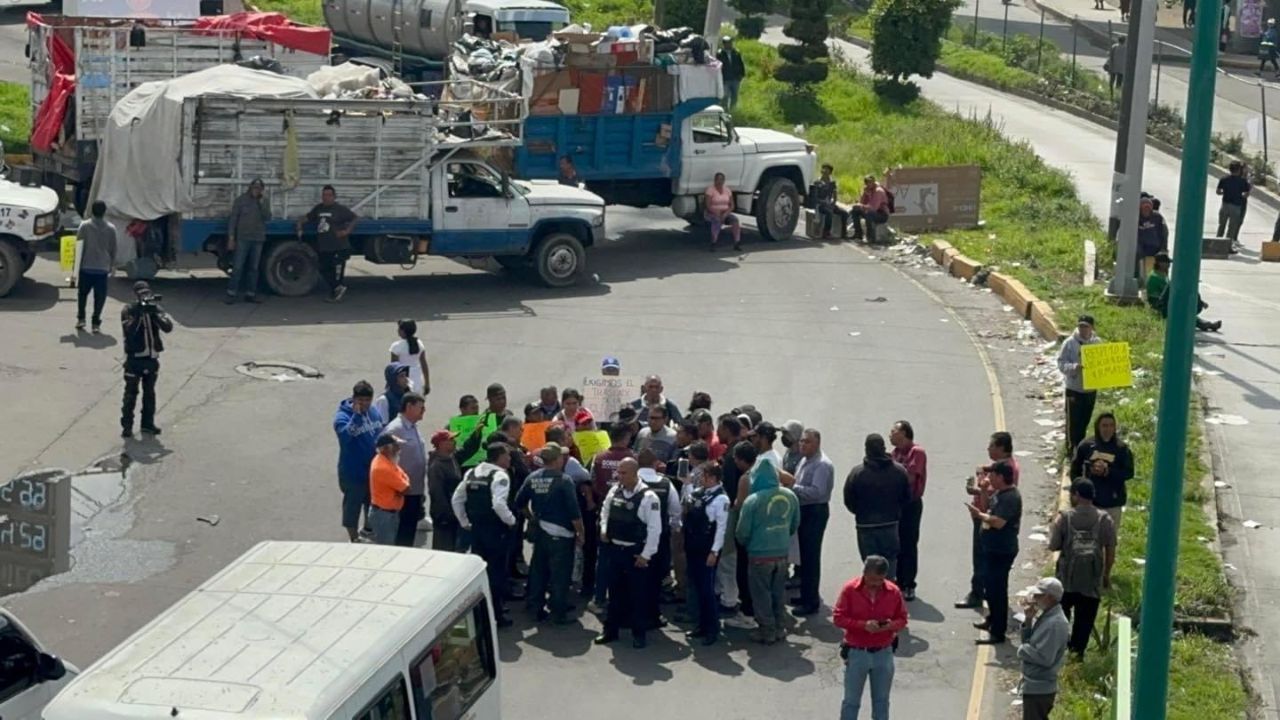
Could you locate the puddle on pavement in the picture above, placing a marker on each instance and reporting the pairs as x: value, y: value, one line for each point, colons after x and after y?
x: 58, y: 527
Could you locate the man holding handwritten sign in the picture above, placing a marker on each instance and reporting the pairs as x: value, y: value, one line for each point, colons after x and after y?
x: 1079, y: 399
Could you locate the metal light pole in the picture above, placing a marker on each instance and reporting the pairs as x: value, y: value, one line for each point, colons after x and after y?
x: 1131, y: 145
x: 1039, y: 45
x: 1160, y: 576
x: 976, y: 4
x: 711, y: 27
x: 1004, y: 30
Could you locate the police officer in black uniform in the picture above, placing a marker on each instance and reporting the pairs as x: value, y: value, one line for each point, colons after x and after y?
x: 669, y: 500
x: 556, y: 526
x: 480, y: 502
x: 143, y: 321
x: 704, y: 528
x: 630, y: 525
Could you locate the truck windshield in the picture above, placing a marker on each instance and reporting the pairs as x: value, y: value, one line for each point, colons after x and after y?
x: 536, y: 31
x: 473, y: 180
x: 710, y: 128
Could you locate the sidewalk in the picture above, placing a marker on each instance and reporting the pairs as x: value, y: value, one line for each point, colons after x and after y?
x: 1241, y: 366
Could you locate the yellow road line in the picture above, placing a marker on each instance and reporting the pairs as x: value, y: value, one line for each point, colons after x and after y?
x: 982, y: 660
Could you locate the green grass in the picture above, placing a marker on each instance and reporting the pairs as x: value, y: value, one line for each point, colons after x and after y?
x: 304, y: 11
x: 1034, y: 225
x: 15, y: 117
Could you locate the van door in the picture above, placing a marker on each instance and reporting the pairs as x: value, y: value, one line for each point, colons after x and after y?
x: 478, y: 213
x: 23, y: 692
x: 455, y: 677
x: 710, y: 146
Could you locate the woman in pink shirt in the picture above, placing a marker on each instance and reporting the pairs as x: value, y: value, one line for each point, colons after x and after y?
x: 719, y: 204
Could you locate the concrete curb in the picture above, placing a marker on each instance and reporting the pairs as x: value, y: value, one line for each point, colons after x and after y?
x: 1263, y: 195
x: 1009, y: 289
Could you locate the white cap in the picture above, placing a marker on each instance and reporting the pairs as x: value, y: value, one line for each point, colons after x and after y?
x: 1049, y: 586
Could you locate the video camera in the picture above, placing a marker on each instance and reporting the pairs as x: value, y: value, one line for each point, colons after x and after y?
x: 150, y: 302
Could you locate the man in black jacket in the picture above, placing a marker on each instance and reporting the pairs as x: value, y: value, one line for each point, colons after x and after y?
x: 143, y: 321
x: 732, y: 70
x: 877, y: 492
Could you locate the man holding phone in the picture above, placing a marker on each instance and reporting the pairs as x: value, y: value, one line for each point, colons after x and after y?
x: 871, y: 612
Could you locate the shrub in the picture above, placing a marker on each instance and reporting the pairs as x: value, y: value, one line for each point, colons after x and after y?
x: 751, y: 24
x: 907, y: 36
x: 750, y: 28
x: 805, y: 62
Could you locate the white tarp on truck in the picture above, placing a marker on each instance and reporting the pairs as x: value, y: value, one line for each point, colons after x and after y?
x: 139, y: 172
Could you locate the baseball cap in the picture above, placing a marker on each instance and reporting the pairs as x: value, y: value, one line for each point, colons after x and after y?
x: 627, y: 414
x: 1049, y: 586
x: 583, y: 417
x: 1085, y: 320
x: 611, y: 363
x: 440, y: 436
x: 793, y: 429
x: 386, y: 439
x: 141, y: 285
x: 550, y: 452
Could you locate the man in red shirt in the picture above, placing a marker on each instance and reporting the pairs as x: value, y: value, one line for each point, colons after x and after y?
x: 604, y: 474
x: 873, y: 206
x: 707, y: 433
x: 999, y: 450
x: 871, y: 612
x: 912, y: 457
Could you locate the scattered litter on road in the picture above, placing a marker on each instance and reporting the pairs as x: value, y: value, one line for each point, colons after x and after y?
x: 1046, y: 422
x: 1220, y: 484
x: 1223, y: 419
x: 834, y: 308
x: 943, y: 320
x: 1229, y: 566
x: 1203, y: 539
x: 1007, y: 308
x: 213, y: 520
x: 1028, y: 565
x: 1038, y: 537
x: 878, y: 298
x: 1252, y: 524
x: 1024, y: 453
x: 854, y: 334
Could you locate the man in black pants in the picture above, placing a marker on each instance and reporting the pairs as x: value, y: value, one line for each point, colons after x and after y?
x: 143, y: 321
x: 815, y: 479
x: 333, y: 222
x: 999, y: 450
x: 999, y: 539
x: 97, y: 260
x: 630, y: 525
x: 913, y: 459
x: 550, y: 499
x: 480, y: 503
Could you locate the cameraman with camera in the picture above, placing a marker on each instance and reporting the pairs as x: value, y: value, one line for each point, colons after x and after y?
x: 143, y: 321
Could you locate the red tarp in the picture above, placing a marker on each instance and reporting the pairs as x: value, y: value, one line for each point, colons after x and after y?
x: 273, y: 27
x: 53, y: 109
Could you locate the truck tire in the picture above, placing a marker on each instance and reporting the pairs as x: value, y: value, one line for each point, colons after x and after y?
x: 778, y: 209
x: 11, y: 267
x: 291, y: 268
x: 560, y: 260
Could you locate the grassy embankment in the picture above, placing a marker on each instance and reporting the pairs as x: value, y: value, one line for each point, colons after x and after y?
x: 15, y: 117
x: 1034, y: 223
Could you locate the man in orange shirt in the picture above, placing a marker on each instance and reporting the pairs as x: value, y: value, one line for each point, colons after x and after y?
x: 387, y: 486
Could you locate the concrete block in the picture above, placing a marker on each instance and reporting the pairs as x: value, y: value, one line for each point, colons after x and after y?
x: 1271, y: 252
x: 1018, y: 296
x: 1215, y: 248
x: 998, y: 281
x: 964, y: 267
x: 812, y: 225
x: 1045, y: 322
x: 937, y: 248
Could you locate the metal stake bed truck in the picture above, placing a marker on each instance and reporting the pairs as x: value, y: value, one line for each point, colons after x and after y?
x: 410, y: 170
x: 670, y: 159
x: 112, y: 57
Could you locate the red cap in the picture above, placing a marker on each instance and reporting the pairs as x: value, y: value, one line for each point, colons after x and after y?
x: 584, y: 417
x: 440, y: 436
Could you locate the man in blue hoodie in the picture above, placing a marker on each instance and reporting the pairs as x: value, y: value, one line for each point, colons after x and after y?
x: 357, y: 425
x: 767, y: 521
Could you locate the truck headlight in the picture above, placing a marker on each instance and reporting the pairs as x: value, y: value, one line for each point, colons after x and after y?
x: 46, y: 224
x: 598, y: 221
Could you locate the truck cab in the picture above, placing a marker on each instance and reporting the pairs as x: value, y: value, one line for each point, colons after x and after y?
x: 28, y: 216
x: 766, y: 169
x: 527, y: 19
x: 29, y: 676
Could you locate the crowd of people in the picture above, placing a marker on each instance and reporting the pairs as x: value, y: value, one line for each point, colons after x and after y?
x: 721, y: 515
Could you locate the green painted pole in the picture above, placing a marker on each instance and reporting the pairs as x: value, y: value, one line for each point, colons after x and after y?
x: 1156, y: 626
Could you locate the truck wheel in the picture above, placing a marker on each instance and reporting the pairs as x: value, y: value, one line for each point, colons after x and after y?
x: 11, y: 267
x: 560, y: 260
x: 778, y: 209
x: 292, y: 268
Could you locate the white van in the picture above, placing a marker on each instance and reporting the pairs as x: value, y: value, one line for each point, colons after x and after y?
x: 29, y: 676
x: 308, y: 631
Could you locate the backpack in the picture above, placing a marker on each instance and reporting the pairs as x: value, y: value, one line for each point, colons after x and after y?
x: 1081, y: 560
x: 893, y: 208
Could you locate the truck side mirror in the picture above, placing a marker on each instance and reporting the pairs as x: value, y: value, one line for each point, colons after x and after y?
x: 50, y: 667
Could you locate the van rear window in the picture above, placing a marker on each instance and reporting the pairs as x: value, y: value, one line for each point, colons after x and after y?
x: 455, y: 671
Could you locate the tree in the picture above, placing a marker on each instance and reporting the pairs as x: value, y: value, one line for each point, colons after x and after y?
x: 907, y: 39
x: 751, y: 24
x: 684, y: 13
x: 805, y: 63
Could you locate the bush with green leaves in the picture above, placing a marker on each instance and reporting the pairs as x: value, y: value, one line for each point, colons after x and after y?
x: 751, y: 23
x: 805, y: 63
x: 907, y: 36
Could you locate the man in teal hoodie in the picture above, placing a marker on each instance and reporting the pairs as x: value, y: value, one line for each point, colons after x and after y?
x: 768, y: 520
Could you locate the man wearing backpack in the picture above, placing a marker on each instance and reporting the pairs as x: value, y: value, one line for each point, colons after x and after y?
x: 1085, y: 538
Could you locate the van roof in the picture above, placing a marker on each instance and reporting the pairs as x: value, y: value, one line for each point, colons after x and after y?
x: 286, y: 631
x: 491, y: 6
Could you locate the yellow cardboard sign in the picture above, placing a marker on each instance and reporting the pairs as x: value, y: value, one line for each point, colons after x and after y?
x: 590, y: 442
x: 67, y: 253
x: 1106, y: 365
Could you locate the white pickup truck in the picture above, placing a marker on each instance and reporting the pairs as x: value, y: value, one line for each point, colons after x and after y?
x: 29, y: 676
x: 28, y: 216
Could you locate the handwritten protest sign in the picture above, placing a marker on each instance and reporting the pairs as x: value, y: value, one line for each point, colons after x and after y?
x: 590, y: 442
x: 605, y: 395
x: 67, y: 252
x: 534, y: 435
x: 1106, y: 365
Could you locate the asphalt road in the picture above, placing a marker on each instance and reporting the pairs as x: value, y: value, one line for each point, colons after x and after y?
x: 788, y: 327
x: 13, y: 41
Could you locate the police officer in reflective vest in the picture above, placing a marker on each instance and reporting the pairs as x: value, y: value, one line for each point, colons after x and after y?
x: 669, y: 499
x: 630, y: 525
x: 704, y: 528
x: 480, y: 502
x: 550, y: 499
